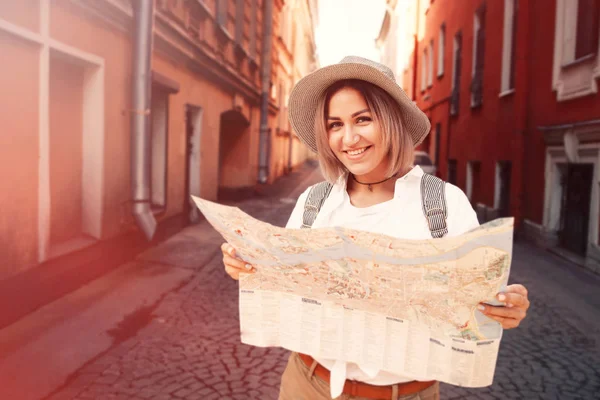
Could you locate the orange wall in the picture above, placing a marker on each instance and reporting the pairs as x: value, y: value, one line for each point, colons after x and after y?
x: 113, y: 46
x: 214, y: 101
x: 18, y: 154
x: 24, y: 13
x: 80, y: 30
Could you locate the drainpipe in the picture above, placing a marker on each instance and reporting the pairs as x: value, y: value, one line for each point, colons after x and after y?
x: 140, y: 117
x: 263, y: 148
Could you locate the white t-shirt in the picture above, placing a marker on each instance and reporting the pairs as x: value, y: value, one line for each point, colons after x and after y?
x: 401, y: 217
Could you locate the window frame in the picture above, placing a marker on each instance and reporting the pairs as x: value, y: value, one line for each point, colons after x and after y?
x: 507, y: 84
x: 456, y: 73
x: 441, y: 50
x: 571, y: 79
x: 430, y: 52
x: 252, y: 43
x: 160, y: 97
x: 221, y: 13
x: 478, y: 59
x: 424, y: 71
x: 239, y: 22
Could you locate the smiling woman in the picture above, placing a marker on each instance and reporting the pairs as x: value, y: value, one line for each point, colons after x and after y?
x: 364, y: 129
x: 358, y: 129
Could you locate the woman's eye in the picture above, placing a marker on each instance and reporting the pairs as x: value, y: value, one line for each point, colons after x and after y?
x: 363, y: 119
x: 334, y: 125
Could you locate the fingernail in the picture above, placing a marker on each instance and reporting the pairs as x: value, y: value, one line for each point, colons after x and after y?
x: 248, y: 267
x: 509, y: 305
x: 501, y: 297
x: 480, y: 307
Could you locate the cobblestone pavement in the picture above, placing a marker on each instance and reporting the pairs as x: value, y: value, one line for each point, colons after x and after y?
x: 555, y: 353
x: 189, y: 345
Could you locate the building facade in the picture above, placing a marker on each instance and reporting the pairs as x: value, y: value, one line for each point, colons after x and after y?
x: 294, y: 44
x: 511, y: 89
x: 67, y: 106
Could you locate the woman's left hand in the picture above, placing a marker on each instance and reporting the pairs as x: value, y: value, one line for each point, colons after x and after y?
x: 510, y: 315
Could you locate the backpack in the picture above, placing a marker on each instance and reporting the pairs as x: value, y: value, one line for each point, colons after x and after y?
x: 433, y: 200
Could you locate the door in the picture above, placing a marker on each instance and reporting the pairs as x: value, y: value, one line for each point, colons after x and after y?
x: 576, y: 207
x: 452, y: 172
x: 504, y: 173
x: 193, y: 128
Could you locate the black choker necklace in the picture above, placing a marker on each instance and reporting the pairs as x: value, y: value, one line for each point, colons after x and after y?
x: 369, y: 185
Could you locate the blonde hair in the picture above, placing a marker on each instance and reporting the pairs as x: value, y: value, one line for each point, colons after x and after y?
x: 385, y: 111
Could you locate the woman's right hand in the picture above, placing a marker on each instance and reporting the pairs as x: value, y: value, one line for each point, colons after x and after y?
x: 234, y: 265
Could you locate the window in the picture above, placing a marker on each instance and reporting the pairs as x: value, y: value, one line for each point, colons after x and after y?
x: 282, y: 114
x: 502, y: 190
x: 239, y: 22
x: 576, y: 64
x: 508, y: 45
x: 478, y: 57
x: 253, y: 19
x: 286, y: 25
x: 586, y: 42
x: 452, y: 172
x: 457, y: 62
x: 222, y: 13
x: 159, y: 115
x: 424, y: 71
x: 441, y: 47
x: 469, y: 188
x: 580, y: 30
x: 283, y: 22
x: 430, y: 69
x: 473, y: 180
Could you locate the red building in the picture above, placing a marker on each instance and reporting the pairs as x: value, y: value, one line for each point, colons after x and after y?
x: 511, y: 88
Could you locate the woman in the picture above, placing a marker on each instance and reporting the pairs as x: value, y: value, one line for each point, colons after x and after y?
x: 364, y: 129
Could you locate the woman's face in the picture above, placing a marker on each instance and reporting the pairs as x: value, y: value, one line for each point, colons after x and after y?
x: 354, y: 136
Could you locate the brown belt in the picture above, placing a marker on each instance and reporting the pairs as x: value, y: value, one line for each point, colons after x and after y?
x: 361, y: 389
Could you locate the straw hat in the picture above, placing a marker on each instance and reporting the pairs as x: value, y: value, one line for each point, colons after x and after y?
x: 305, y: 95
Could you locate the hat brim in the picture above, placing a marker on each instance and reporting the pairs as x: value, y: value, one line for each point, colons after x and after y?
x: 307, y: 92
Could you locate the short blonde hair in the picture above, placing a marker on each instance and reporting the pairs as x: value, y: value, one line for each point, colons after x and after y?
x: 385, y: 111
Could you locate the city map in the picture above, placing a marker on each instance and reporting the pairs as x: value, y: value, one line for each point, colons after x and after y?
x: 404, y: 306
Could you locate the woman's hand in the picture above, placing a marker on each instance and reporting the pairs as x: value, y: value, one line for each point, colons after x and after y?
x: 234, y: 266
x: 510, y: 315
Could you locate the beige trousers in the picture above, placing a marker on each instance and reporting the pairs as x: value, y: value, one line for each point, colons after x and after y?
x: 299, y: 383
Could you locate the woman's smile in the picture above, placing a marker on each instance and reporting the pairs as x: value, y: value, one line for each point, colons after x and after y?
x: 357, y: 154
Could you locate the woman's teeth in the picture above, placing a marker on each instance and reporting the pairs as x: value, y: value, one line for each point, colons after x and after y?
x: 357, y: 152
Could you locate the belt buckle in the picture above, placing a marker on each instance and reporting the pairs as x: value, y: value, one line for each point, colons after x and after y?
x: 311, y: 207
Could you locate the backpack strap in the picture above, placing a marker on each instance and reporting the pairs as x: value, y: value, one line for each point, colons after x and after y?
x: 316, y: 197
x: 433, y: 198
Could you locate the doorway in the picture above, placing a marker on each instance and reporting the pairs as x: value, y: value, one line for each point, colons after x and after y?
x: 575, y: 215
x: 193, y: 131
x: 234, y: 144
x: 503, y: 178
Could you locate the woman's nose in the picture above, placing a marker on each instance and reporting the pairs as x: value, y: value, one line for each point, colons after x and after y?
x: 350, y: 137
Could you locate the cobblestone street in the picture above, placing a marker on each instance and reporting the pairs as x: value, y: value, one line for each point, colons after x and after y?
x: 186, y: 346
